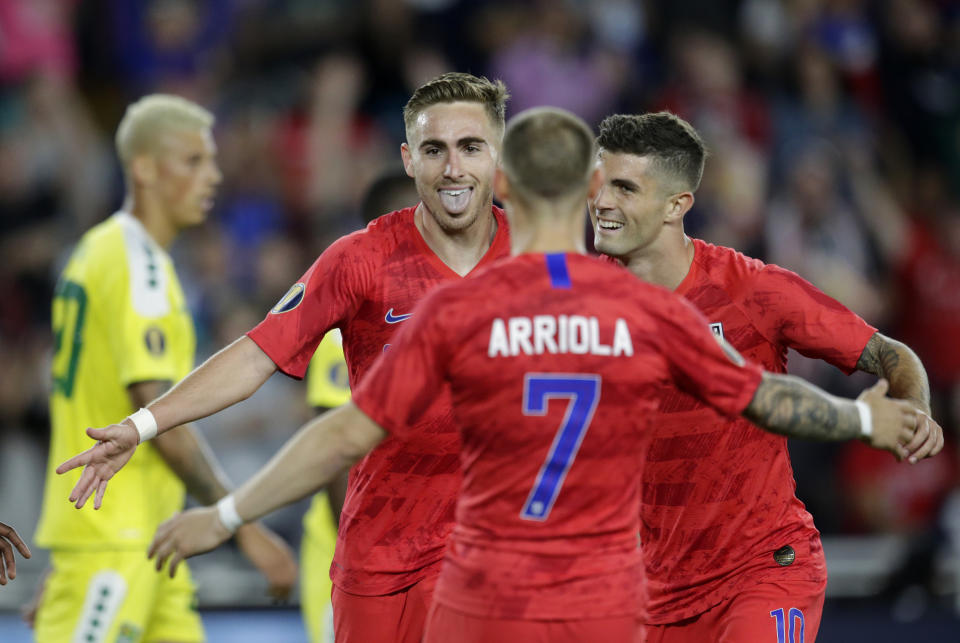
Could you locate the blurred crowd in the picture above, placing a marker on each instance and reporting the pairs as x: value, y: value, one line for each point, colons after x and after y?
x: 833, y: 128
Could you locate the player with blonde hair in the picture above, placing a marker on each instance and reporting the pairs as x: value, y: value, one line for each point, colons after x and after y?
x: 398, y: 509
x: 123, y: 334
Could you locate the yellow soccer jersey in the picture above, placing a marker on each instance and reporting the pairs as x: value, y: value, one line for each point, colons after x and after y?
x: 119, y: 317
x: 328, y: 382
x: 328, y: 385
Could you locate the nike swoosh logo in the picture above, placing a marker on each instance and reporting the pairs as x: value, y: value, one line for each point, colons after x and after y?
x: 396, y: 319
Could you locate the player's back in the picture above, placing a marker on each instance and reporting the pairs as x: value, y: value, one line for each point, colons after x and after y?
x: 553, y: 361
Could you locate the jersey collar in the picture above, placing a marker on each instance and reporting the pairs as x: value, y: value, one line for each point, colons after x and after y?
x: 134, y: 224
x: 501, y: 241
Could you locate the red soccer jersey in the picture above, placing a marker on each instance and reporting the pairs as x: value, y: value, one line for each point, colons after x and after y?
x: 718, y: 494
x: 553, y: 363
x: 400, y: 498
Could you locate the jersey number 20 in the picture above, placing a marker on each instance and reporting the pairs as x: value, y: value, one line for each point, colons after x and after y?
x: 69, y: 312
x: 583, y: 393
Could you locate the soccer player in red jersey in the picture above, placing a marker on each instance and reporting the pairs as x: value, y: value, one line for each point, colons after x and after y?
x: 731, y: 553
x: 399, y: 505
x: 553, y: 365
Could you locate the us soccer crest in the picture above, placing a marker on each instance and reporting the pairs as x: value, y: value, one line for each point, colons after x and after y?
x: 717, y: 328
x: 729, y: 351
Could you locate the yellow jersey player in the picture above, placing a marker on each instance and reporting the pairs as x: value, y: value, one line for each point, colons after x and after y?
x: 122, y: 335
x: 328, y: 386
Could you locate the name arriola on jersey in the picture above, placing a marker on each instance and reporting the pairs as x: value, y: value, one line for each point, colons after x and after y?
x: 557, y: 334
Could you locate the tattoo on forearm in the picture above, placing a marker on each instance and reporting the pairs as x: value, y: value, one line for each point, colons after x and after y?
x: 790, y: 406
x: 869, y: 361
x: 881, y: 356
x: 895, y: 361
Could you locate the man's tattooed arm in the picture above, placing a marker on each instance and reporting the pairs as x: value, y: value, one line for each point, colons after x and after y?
x: 791, y: 406
x: 898, y: 364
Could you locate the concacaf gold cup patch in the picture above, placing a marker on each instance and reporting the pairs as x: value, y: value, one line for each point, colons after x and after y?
x: 155, y: 341
x: 291, y: 300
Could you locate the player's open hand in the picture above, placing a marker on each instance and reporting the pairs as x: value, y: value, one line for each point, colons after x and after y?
x: 115, y: 446
x: 8, y: 564
x: 187, y: 534
x: 894, y: 421
x: 271, y: 556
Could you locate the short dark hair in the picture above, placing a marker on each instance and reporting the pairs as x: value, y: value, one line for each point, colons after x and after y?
x: 547, y: 152
x: 454, y: 87
x: 387, y: 193
x: 674, y: 144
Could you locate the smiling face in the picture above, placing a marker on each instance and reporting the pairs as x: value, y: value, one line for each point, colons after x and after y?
x: 630, y: 210
x: 451, y: 153
x: 186, y: 175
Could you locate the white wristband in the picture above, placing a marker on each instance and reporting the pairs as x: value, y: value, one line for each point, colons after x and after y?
x: 146, y: 424
x: 866, y: 419
x: 227, y: 511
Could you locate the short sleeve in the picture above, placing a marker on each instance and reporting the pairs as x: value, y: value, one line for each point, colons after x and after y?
x: 146, y: 328
x: 793, y: 313
x: 411, y: 372
x: 704, y: 365
x: 325, y: 297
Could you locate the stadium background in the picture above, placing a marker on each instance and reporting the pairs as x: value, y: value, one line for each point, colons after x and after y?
x: 834, y: 130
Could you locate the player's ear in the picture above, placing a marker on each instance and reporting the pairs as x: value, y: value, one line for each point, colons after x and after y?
x: 407, y: 157
x: 501, y: 185
x: 596, y: 182
x: 143, y: 169
x: 679, y: 205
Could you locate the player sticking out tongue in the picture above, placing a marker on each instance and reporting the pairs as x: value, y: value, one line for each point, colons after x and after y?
x: 545, y: 545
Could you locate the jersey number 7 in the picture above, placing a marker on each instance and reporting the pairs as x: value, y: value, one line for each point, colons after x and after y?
x: 583, y: 393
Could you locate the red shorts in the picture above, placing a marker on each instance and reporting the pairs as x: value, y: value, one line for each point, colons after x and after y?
x: 446, y: 625
x: 395, y: 618
x: 769, y: 612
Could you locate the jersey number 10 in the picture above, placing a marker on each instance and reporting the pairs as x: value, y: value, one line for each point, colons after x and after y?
x: 583, y: 393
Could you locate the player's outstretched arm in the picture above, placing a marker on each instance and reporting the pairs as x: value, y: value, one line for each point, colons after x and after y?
x: 899, y: 365
x: 9, y: 538
x: 793, y: 407
x: 318, y: 452
x: 230, y: 376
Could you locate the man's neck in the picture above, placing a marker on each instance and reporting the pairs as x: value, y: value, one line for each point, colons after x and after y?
x: 547, y: 232
x: 461, y: 251
x: 665, y: 263
x: 154, y: 221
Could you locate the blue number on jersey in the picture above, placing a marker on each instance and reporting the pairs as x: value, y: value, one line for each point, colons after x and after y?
x: 583, y: 391
x: 793, y: 616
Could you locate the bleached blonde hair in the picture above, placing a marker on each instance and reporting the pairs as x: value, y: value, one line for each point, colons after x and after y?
x: 154, y: 115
